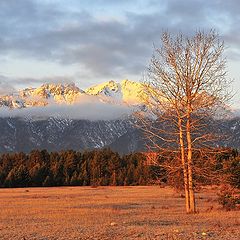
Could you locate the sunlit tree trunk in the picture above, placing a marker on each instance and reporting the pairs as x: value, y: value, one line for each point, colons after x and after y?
x: 184, y: 166
x: 192, y: 206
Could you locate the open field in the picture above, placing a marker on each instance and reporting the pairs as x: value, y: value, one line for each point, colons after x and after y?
x: 111, y: 213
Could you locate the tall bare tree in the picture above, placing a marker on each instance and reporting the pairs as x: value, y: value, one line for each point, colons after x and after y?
x: 186, y: 87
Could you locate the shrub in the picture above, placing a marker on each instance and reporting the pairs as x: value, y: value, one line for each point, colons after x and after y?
x: 229, y: 197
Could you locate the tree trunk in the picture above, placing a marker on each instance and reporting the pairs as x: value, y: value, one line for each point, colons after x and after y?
x: 184, y: 166
x: 189, y: 162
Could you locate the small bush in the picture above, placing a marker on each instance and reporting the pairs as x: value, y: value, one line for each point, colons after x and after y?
x: 229, y: 198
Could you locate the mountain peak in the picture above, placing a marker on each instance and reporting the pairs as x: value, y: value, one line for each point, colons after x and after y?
x: 103, y: 88
x: 124, y: 92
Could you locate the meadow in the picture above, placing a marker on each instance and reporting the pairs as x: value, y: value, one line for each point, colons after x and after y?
x: 139, y: 212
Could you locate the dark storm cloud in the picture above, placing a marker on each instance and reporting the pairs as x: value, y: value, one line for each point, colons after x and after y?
x: 108, y: 47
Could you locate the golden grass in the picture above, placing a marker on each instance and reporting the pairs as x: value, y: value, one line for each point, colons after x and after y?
x: 111, y: 213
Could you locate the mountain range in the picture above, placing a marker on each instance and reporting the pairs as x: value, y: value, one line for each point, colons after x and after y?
x: 62, y: 116
x: 125, y: 92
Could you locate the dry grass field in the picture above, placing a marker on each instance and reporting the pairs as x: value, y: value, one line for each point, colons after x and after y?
x: 111, y: 213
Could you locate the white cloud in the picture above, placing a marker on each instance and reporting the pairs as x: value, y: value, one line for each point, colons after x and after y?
x: 87, y: 108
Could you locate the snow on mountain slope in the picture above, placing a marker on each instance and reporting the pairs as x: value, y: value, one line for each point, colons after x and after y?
x: 133, y: 92
x: 42, y: 96
x: 125, y: 92
x: 109, y: 89
x: 56, y: 134
x: 62, y: 116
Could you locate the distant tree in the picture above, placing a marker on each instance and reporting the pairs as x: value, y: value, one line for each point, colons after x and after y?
x: 57, y: 170
x: 48, y: 182
x: 75, y: 180
x: 38, y: 174
x: 18, y: 177
x: 113, y: 179
x: 84, y: 171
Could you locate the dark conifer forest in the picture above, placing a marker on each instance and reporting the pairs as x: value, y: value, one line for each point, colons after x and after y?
x: 102, y: 168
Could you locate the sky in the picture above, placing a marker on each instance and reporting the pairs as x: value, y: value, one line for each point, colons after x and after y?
x: 91, y: 41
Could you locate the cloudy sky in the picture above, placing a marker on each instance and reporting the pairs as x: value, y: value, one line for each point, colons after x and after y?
x: 90, y: 41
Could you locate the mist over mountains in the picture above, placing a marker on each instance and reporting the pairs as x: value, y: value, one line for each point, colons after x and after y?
x: 107, y: 101
x: 62, y: 116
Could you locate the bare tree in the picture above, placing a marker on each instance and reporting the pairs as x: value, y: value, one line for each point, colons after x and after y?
x: 186, y: 88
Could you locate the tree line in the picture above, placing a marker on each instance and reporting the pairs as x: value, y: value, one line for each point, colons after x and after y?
x: 72, y: 168
x: 107, y: 168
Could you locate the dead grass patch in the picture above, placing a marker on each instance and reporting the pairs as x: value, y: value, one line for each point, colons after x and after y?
x: 111, y: 213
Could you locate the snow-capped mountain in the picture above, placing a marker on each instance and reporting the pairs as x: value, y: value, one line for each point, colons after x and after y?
x: 42, y: 96
x: 125, y: 92
x: 23, y: 132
